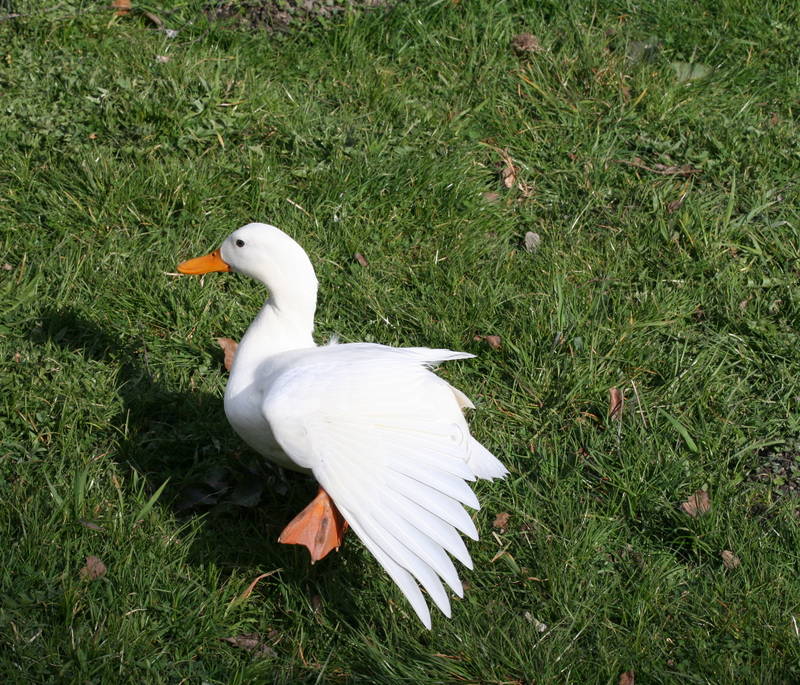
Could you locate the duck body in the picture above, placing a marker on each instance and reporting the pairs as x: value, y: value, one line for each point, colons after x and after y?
x: 335, y: 386
x: 383, y: 435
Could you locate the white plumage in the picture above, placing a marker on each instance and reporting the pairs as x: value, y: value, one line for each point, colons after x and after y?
x: 384, y: 435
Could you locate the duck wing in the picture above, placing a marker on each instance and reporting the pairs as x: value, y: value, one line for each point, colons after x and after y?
x: 385, y: 437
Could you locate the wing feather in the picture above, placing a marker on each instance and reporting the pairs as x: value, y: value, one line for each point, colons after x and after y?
x: 397, y: 573
x: 439, y: 530
x: 362, y: 510
x: 444, y: 507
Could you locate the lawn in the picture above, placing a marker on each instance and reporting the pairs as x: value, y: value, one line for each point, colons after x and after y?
x: 654, y: 150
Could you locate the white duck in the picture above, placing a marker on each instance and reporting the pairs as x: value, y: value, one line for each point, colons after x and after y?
x: 383, y: 435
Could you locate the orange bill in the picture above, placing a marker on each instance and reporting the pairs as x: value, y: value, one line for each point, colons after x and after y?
x: 320, y: 527
x: 204, y: 265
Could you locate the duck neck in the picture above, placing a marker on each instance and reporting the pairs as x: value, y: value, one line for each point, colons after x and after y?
x: 276, y: 329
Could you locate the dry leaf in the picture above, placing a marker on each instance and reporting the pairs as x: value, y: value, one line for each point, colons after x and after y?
x: 532, y: 241
x: 228, y: 346
x: 774, y: 120
x: 508, y: 174
x: 524, y: 189
x: 627, y: 678
x: 91, y: 526
x: 729, y: 559
x: 17, y: 357
x: 682, y: 170
x: 675, y: 205
x: 159, y: 24
x: 492, y: 340
x: 535, y: 622
x: 526, y: 42
x: 491, y: 196
x: 616, y: 401
x: 501, y: 521
x: 122, y: 7
x: 361, y: 259
x: 698, y: 504
x: 93, y: 569
x: 7, y: 267
x: 162, y: 59
x: 252, y: 585
x: 251, y: 642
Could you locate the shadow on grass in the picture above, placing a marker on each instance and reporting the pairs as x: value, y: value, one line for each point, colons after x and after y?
x: 184, y: 437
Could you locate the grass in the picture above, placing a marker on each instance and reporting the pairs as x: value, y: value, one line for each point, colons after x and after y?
x: 381, y: 133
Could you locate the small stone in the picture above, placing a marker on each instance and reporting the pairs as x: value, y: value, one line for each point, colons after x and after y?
x: 526, y: 42
x: 532, y: 241
x: 729, y: 559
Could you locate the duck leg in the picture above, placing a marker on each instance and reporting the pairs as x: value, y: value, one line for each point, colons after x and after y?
x: 320, y: 527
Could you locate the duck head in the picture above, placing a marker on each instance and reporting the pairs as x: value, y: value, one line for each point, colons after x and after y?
x: 265, y: 253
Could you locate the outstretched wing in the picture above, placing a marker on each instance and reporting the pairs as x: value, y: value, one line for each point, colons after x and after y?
x: 387, y: 440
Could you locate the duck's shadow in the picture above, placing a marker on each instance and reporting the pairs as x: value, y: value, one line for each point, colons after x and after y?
x: 184, y: 438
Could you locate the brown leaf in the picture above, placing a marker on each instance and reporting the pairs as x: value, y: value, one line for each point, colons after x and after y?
x: 698, y: 504
x: 524, y: 189
x: 91, y: 526
x: 252, y: 585
x: 616, y: 402
x: 122, y: 7
x: 154, y: 18
x: 774, y: 120
x: 501, y: 521
x: 682, y: 170
x: 251, y: 642
x: 508, y: 174
x: 492, y: 340
x: 532, y: 241
x: 526, y: 42
x: 729, y: 559
x: 93, y: 569
x: 627, y: 678
x: 675, y: 205
x: 17, y: 357
x: 361, y: 259
x: 491, y: 196
x: 229, y: 347
x: 7, y: 267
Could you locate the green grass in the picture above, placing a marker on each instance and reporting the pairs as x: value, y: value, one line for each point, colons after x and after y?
x: 386, y: 129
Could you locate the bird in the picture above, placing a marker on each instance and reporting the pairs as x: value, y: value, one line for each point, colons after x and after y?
x: 384, y: 436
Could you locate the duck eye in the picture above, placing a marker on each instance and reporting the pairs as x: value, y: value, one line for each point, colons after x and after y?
x: 240, y: 243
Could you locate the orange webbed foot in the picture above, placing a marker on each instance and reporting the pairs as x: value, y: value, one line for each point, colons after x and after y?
x: 320, y: 527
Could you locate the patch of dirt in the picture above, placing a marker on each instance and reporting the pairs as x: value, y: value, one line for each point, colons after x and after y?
x: 284, y: 15
x: 780, y: 470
